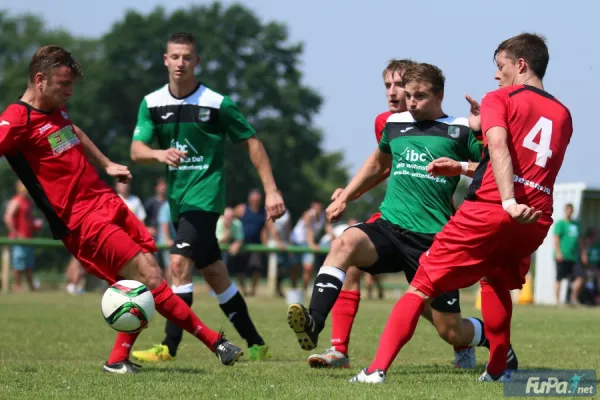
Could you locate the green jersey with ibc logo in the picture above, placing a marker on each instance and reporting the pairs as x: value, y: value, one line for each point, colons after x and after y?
x: 197, y: 124
x: 414, y: 199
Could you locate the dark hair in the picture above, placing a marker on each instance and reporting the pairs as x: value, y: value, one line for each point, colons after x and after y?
x: 47, y: 58
x: 395, y: 65
x: 425, y: 73
x: 531, y: 47
x: 182, y: 38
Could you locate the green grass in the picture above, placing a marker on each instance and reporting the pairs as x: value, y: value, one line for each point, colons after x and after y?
x: 53, y: 346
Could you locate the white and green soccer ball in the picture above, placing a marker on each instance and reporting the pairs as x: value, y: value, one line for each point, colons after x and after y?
x: 128, y: 306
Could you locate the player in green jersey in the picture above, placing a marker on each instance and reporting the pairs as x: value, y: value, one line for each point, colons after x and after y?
x: 416, y: 206
x: 190, y: 122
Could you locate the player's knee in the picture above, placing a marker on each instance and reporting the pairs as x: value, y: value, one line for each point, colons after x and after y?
x: 342, y: 247
x: 449, y: 333
x: 181, y: 269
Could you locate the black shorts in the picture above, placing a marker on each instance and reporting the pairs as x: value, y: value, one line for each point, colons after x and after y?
x: 568, y: 269
x: 196, y: 237
x: 399, y: 249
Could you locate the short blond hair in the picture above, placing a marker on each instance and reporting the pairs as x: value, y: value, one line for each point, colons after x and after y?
x: 396, y: 65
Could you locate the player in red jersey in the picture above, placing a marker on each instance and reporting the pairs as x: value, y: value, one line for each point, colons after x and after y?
x: 50, y: 155
x: 463, y: 334
x: 507, y: 213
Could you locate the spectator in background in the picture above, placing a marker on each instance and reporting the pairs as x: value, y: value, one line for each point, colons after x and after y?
x: 279, y: 236
x: 231, y: 232
x: 253, y: 219
x: 566, y: 250
x: 305, y: 233
x: 165, y: 235
x: 153, y: 204
x: 20, y: 223
x: 133, y: 202
x: 75, y: 277
x: 590, y: 259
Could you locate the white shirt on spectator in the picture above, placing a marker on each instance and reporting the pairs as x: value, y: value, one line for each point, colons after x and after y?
x: 135, y: 205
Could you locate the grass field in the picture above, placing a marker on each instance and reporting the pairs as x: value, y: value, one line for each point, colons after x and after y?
x: 53, y: 346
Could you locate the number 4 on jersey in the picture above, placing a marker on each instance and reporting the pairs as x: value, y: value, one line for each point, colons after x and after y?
x: 543, y: 126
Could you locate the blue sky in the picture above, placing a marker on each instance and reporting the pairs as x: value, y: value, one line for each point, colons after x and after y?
x: 347, y: 45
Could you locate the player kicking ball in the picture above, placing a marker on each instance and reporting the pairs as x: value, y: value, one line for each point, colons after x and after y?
x: 50, y: 155
x: 191, y: 122
x: 506, y: 215
x: 415, y: 208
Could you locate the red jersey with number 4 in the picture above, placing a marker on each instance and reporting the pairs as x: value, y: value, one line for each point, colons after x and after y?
x: 539, y: 130
x: 46, y: 154
x: 380, y: 122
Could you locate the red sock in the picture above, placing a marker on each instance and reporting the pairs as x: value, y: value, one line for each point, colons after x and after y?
x: 400, y: 327
x: 496, y: 309
x: 342, y: 317
x: 123, y: 344
x: 174, y: 309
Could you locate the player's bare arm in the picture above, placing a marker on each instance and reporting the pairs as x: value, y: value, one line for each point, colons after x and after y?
x: 503, y: 174
x: 445, y: 166
x: 141, y: 153
x: 120, y: 172
x: 372, y: 170
x: 258, y: 155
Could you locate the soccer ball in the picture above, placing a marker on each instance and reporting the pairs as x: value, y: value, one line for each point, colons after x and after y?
x: 127, y: 306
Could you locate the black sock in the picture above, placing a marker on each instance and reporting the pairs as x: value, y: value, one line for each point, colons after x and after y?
x: 325, y: 292
x: 174, y: 334
x: 482, y: 340
x: 236, y: 311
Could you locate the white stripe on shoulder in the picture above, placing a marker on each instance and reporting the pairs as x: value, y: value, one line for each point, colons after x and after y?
x: 454, y: 121
x: 159, y: 97
x: 203, y: 97
x: 401, y: 117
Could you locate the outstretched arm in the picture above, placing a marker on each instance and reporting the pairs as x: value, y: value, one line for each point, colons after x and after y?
x: 258, y: 155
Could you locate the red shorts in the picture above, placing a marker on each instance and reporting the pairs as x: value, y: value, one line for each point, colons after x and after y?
x: 481, y: 240
x: 373, y: 218
x: 108, y: 238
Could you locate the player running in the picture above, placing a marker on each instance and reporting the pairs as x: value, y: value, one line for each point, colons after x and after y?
x: 50, y: 155
x: 506, y: 215
x: 190, y: 123
x: 416, y: 206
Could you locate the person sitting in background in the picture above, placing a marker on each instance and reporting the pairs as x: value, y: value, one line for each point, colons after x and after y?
x: 590, y: 259
x: 231, y: 232
x: 165, y: 235
x: 21, y: 224
x: 566, y: 248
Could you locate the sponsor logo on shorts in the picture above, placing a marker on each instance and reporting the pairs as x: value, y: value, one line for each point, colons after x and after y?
x: 182, y: 245
x: 451, y: 302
